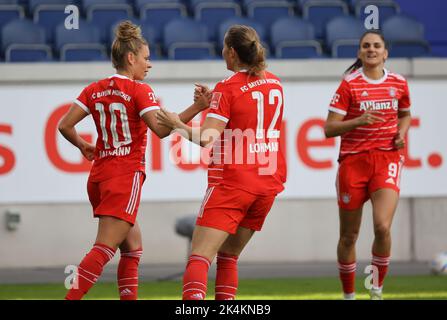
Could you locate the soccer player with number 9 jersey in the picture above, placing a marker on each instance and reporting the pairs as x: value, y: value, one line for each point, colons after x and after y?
x: 371, y: 113
x: 122, y: 109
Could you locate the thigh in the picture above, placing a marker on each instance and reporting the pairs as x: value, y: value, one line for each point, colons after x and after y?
x: 120, y: 197
x: 206, y: 241
x: 350, y: 221
x: 352, y: 182
x: 112, y: 231
x: 235, y: 243
x: 257, y: 213
x: 384, y: 203
x: 223, y: 208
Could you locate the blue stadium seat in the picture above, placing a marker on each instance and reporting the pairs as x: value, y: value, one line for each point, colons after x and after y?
x: 213, y: 13
x: 294, y: 38
x: 49, y: 14
x: 267, y: 12
x: 387, y: 8
x: 342, y: 36
x: 160, y: 13
x: 186, y: 39
x: 260, y: 30
x: 105, y: 15
x: 23, y: 41
x: 81, y: 44
x: 406, y: 37
x: 33, y: 4
x: 10, y: 12
x: 319, y: 12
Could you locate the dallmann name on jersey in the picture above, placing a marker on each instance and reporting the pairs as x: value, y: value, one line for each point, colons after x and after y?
x: 263, y: 147
x: 123, y: 151
x: 382, y: 105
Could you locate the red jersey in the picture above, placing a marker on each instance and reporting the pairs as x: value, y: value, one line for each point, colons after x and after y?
x: 248, y: 154
x: 356, y: 94
x: 117, y: 104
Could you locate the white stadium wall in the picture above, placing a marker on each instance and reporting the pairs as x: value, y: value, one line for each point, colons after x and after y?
x: 44, y: 178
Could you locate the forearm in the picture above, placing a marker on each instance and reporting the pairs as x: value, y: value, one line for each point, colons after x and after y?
x: 189, y: 113
x: 337, y: 128
x: 71, y: 135
x: 186, y: 116
x: 193, y: 134
x: 403, y: 125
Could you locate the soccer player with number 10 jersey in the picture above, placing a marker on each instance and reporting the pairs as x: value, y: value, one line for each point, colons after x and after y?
x: 122, y: 109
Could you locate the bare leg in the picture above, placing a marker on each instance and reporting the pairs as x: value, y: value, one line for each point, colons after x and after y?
x: 350, y: 222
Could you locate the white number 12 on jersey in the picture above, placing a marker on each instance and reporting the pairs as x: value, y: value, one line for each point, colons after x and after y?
x: 271, y: 132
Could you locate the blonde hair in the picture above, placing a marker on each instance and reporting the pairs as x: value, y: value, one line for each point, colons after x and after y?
x: 245, y: 41
x: 128, y: 38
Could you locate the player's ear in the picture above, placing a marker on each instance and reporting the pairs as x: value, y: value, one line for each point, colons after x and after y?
x: 385, y: 55
x: 131, y: 58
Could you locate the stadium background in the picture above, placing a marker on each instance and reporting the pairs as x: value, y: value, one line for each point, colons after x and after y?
x: 36, y: 168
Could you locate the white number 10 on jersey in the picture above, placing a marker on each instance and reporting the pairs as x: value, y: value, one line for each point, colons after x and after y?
x: 115, y: 106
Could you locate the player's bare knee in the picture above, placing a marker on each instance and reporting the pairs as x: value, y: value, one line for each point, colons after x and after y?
x: 349, y: 239
x: 382, y: 230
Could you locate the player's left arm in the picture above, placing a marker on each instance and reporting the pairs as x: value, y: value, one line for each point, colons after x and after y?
x: 404, y: 118
x: 67, y: 129
x: 204, y: 135
x: 403, y: 124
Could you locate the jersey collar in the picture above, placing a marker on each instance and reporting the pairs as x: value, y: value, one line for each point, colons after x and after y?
x: 372, y: 81
x: 116, y: 75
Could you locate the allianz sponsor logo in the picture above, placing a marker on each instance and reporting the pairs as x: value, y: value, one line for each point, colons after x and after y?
x: 382, y: 105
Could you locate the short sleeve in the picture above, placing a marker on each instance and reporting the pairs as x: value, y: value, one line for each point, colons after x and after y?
x: 404, y: 101
x: 145, y: 99
x: 82, y: 100
x: 220, y: 106
x: 341, y: 100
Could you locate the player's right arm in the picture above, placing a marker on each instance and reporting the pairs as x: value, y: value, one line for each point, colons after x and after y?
x: 150, y: 119
x: 68, y: 130
x: 336, y: 125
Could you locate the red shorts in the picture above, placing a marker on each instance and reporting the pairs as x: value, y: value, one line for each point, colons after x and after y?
x: 226, y: 208
x: 118, y: 197
x: 361, y: 174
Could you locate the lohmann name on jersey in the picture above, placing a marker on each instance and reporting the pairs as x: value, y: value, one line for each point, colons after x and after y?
x: 123, y: 151
x: 263, y: 147
x: 383, y: 105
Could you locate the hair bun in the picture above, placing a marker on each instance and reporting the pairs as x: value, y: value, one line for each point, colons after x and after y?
x: 127, y: 31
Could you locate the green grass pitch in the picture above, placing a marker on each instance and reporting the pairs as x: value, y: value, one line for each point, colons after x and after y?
x: 327, y: 288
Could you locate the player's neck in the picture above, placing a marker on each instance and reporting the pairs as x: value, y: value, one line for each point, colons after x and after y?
x: 374, y: 73
x: 125, y: 73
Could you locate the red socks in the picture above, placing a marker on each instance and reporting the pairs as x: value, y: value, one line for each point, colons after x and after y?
x: 347, y: 276
x: 128, y: 274
x: 381, y: 262
x: 195, y: 278
x: 226, y: 277
x: 89, y: 270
